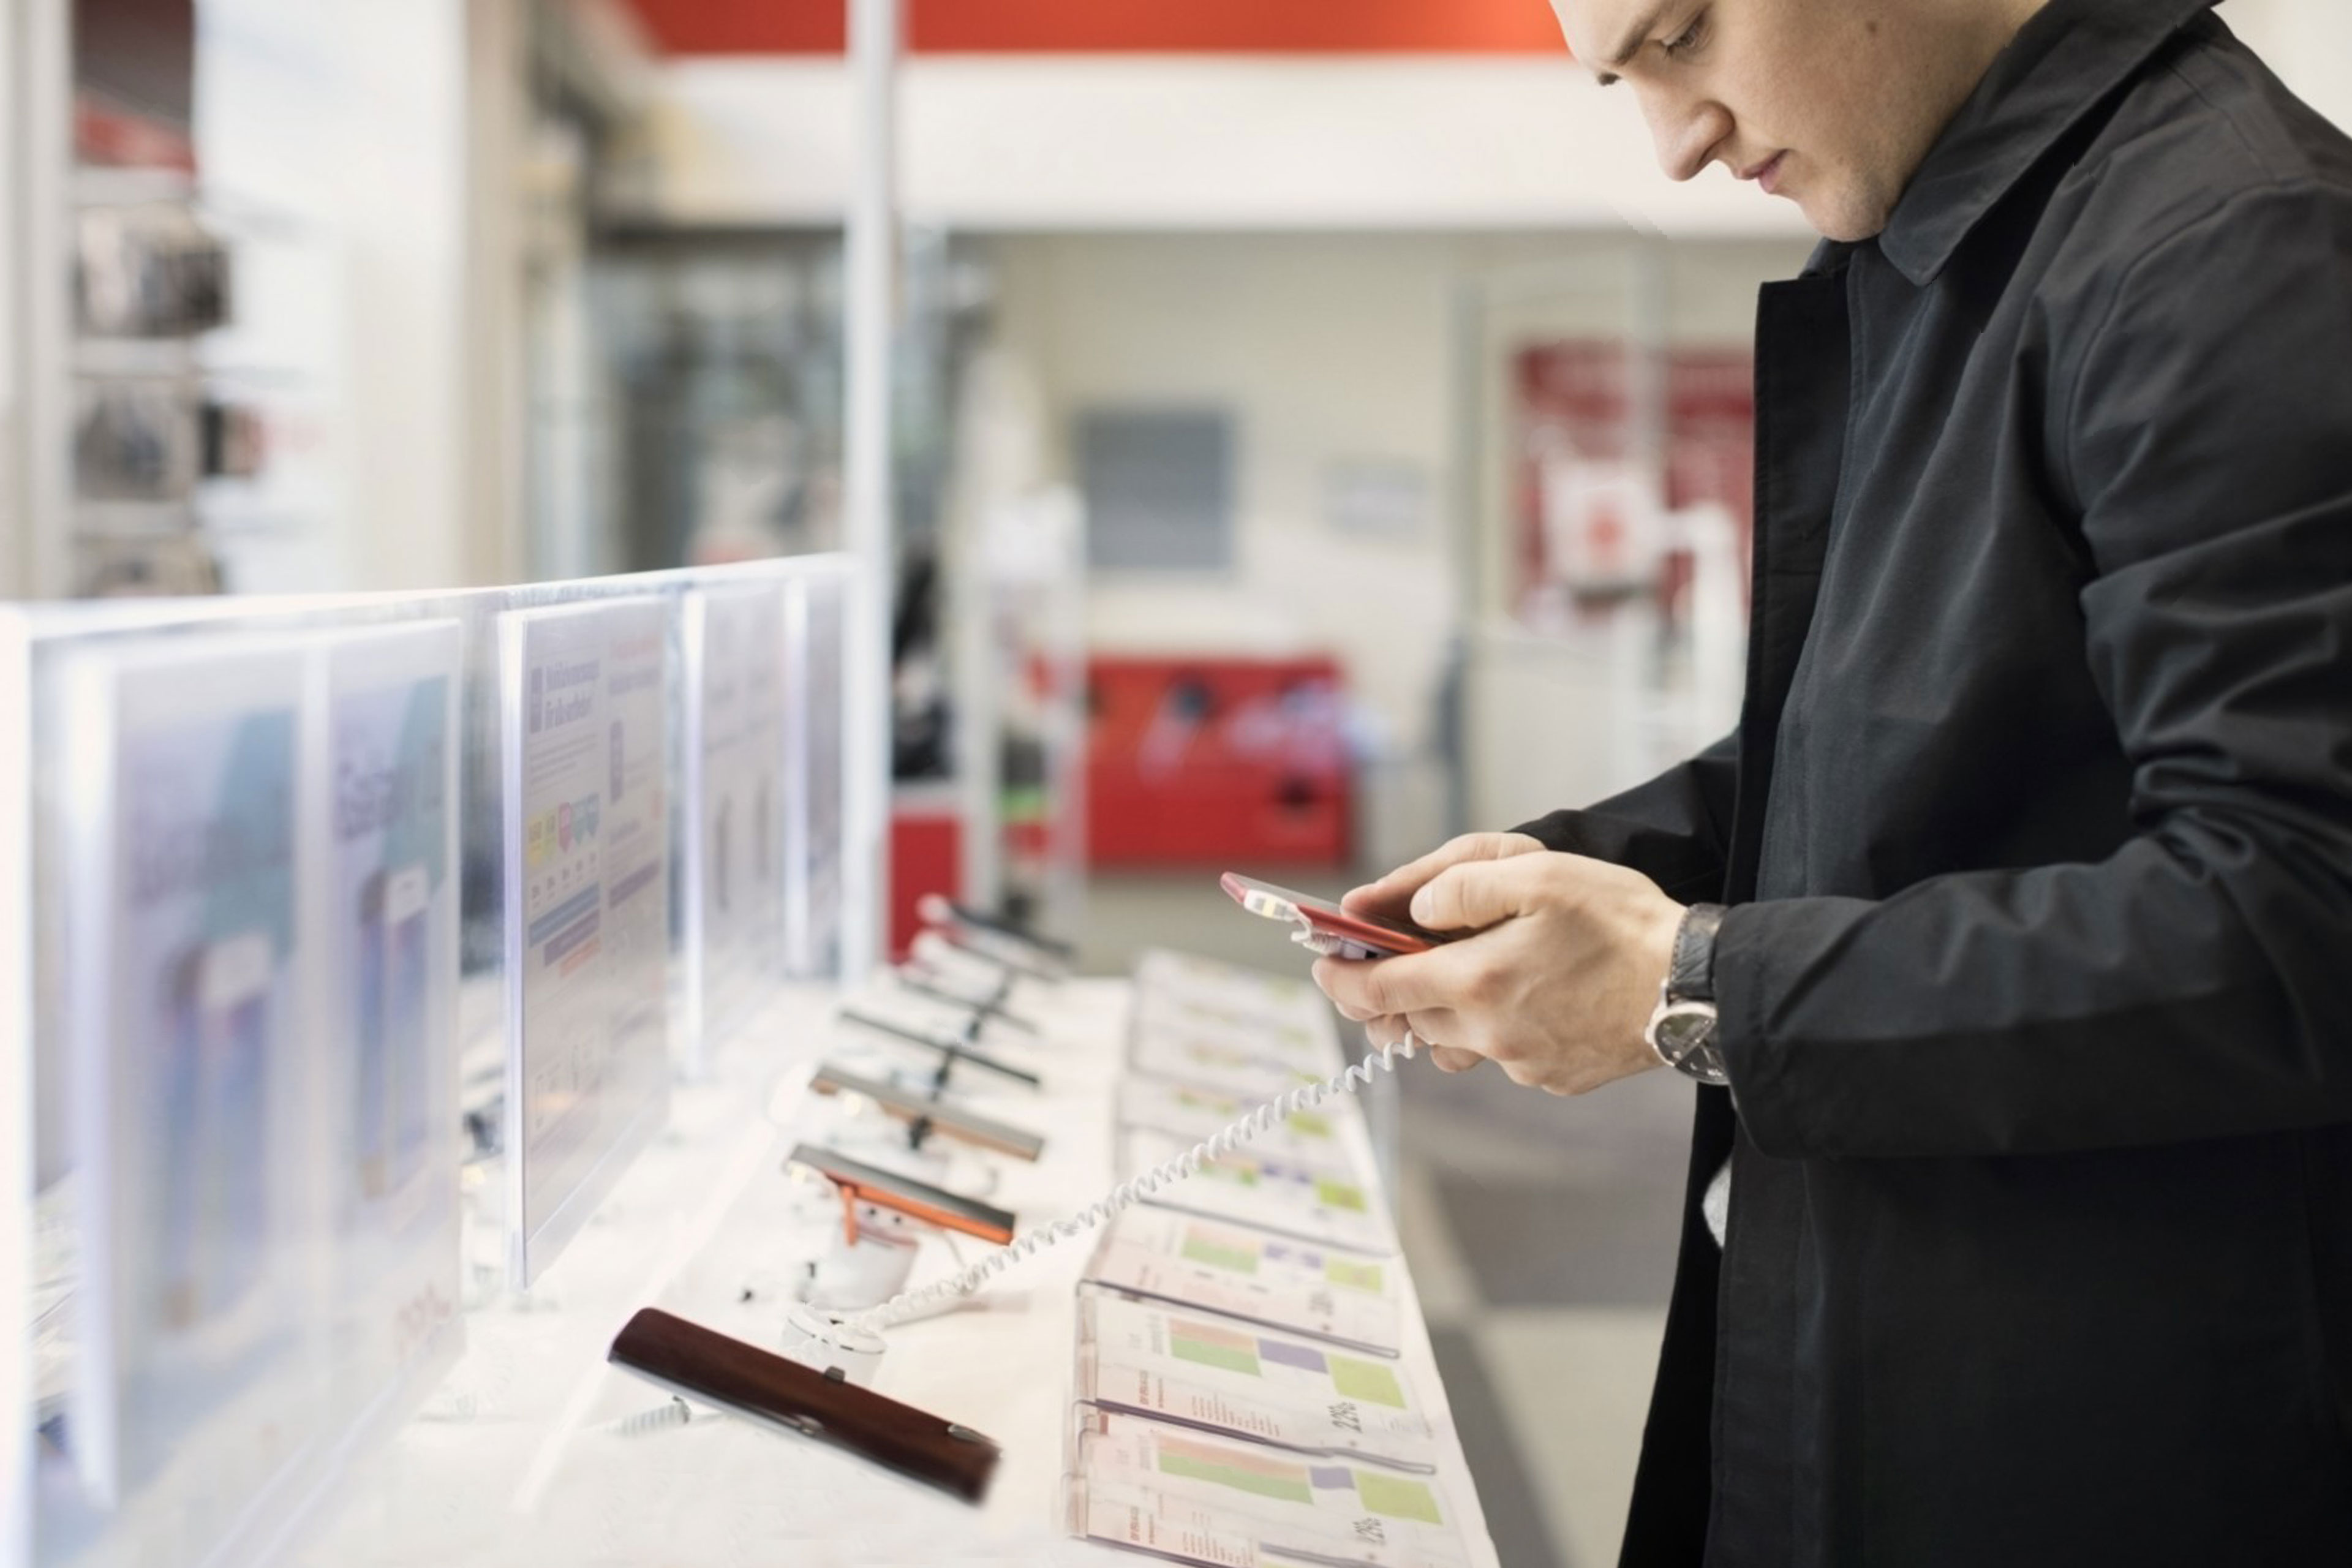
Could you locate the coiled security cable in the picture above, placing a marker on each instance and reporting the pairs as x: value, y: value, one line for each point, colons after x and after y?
x: 674, y: 1412
x: 1306, y: 1096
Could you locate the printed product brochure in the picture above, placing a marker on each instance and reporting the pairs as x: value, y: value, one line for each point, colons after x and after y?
x: 1309, y: 1137
x: 1201, y: 1370
x: 1307, y: 1044
x: 1267, y: 1191
x: 587, y: 848
x: 1224, y: 1062
x: 1345, y: 1298
x: 1231, y: 988
x: 1199, y: 1498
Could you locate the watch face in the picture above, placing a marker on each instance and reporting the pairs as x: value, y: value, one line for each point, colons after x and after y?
x: 1683, y: 1027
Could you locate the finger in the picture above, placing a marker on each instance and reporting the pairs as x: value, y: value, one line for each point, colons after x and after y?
x: 1427, y: 1027
x: 1338, y: 980
x: 1454, y: 1058
x: 1369, y: 987
x: 1474, y: 896
x: 1393, y: 893
x: 1354, y: 989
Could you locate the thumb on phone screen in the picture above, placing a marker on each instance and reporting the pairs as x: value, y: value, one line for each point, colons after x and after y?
x: 1391, y: 897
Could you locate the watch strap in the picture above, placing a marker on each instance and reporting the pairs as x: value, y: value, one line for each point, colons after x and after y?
x: 1690, y: 977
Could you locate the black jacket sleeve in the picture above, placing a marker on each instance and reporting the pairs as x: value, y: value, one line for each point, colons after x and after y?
x: 1676, y: 829
x: 2198, y: 982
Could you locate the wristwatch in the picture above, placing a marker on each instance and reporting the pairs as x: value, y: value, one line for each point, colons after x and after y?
x: 1682, y: 1028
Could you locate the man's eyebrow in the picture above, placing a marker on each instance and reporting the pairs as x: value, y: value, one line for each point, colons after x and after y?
x: 1635, y: 36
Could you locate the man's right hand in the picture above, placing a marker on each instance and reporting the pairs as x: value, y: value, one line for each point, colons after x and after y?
x: 1391, y: 898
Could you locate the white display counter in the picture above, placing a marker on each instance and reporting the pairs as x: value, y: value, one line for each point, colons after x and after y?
x: 520, y: 1459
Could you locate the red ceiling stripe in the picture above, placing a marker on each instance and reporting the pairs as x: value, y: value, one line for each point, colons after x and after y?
x: 987, y: 27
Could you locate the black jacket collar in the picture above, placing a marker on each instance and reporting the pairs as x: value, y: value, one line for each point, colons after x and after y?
x: 2062, y: 63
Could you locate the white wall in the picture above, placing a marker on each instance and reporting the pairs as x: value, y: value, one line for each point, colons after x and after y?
x: 15, y: 535
x: 2307, y: 42
x: 1321, y: 349
x: 353, y: 117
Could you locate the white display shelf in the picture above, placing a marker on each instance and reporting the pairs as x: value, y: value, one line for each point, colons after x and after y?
x: 514, y: 1460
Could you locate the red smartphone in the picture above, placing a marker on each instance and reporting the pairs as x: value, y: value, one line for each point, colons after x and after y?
x: 906, y: 1195
x: 1348, y: 934
x: 700, y: 1364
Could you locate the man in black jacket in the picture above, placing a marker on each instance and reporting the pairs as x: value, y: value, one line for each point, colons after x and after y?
x: 2033, y: 995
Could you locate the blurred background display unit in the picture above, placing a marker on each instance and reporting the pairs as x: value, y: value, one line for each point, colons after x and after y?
x: 1207, y: 761
x: 721, y: 349
x: 202, y: 425
x: 1158, y: 487
x: 134, y: 80
x: 135, y: 441
x: 150, y: 268
x: 586, y: 870
x: 1594, y: 521
x: 725, y: 359
x: 182, y: 369
x: 151, y: 278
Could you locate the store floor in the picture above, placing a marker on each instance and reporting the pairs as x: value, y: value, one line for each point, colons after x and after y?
x: 1540, y: 1232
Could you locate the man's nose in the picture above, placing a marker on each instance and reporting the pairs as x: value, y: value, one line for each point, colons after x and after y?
x: 1686, y: 130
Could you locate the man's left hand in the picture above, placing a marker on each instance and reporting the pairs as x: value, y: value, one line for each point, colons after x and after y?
x: 1554, y: 984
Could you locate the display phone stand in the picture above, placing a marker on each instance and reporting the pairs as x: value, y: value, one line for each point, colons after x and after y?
x: 884, y: 1215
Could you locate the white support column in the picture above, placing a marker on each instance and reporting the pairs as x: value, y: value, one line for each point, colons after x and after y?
x: 978, y: 662
x: 36, y: 298
x: 867, y: 506
x: 20, y: 556
x: 490, y: 458
x: 16, y: 527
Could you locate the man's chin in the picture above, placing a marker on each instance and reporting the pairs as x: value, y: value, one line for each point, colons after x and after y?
x: 1847, y: 222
